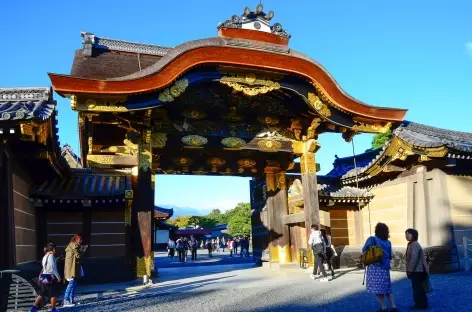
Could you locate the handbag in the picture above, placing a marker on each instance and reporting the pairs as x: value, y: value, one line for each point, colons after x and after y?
x: 373, y: 254
x: 45, y: 278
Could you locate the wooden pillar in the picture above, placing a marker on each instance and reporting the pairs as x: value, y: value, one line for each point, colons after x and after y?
x: 143, y: 206
x: 311, y: 206
x: 7, y: 222
x: 277, y: 207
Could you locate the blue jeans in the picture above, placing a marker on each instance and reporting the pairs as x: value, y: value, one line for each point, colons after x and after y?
x: 70, y: 291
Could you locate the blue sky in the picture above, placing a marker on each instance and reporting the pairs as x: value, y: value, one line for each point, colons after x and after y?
x: 409, y: 54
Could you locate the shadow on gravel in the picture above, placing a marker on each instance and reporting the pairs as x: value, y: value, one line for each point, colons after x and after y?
x: 154, y: 295
x: 448, y: 295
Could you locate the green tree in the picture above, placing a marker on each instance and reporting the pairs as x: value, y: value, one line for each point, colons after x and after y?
x: 217, y: 216
x: 379, y: 139
x: 239, y: 219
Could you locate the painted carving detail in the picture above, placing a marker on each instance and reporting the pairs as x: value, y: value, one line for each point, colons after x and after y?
x: 269, y: 145
x: 372, y: 128
x: 158, y: 139
x: 233, y: 142
x: 169, y: 94
x: 318, y: 105
x: 194, y: 140
x: 249, y: 84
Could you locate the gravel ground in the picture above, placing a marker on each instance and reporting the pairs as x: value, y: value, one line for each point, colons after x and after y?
x: 259, y: 289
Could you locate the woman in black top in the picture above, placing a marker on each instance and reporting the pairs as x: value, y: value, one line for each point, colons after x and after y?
x: 328, y: 251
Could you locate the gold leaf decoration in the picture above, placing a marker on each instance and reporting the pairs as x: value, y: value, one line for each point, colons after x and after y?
x: 268, y: 120
x: 249, y: 84
x: 194, y: 140
x: 233, y: 142
x: 318, y: 105
x: 246, y: 163
x: 372, y: 128
x: 158, y: 139
x: 216, y: 163
x: 101, y: 105
x: 169, y: 94
x: 268, y: 145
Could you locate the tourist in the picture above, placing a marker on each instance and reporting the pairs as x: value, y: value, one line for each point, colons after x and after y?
x: 218, y: 244
x: 328, y: 250
x: 235, y: 246
x: 317, y: 244
x: 230, y: 246
x: 378, y: 273
x: 49, y: 279
x: 210, y: 248
x: 193, y: 247
x: 223, y: 243
x: 73, y: 269
x: 186, y: 245
x: 416, y: 269
x: 180, y: 248
x: 171, y: 248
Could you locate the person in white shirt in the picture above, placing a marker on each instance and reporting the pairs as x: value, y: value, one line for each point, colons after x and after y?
x: 49, y: 279
x: 317, y: 244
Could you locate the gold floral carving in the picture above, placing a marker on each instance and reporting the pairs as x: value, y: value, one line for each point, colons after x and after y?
x: 249, y: 84
x: 183, y: 161
x: 318, y: 105
x: 216, y: 163
x: 43, y: 133
x: 268, y: 120
x: 27, y: 131
x: 194, y: 114
x: 101, y: 105
x: 101, y: 159
x: 194, y: 140
x: 227, y: 171
x: 424, y: 158
x: 169, y: 94
x: 307, y: 163
x: 233, y: 142
x: 371, y: 128
x: 246, y: 163
x: 143, y: 265
x: 158, y: 139
x: 269, y: 145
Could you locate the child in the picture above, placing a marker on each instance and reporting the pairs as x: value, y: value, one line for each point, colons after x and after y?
x: 49, y: 279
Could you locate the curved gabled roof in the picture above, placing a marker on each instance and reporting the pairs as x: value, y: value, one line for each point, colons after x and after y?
x: 225, y: 51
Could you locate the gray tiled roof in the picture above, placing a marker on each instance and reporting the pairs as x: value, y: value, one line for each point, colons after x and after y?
x: 124, y: 46
x: 426, y: 136
x: 26, y: 103
x: 335, y: 191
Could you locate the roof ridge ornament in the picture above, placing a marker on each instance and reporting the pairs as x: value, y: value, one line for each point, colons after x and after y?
x: 256, y: 20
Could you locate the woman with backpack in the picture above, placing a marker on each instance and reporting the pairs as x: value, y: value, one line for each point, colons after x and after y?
x: 180, y: 249
x: 49, y: 279
x: 378, y: 273
x: 73, y: 268
x: 328, y: 250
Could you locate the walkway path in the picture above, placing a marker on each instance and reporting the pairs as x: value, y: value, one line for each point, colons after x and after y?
x: 219, y: 258
x: 247, y: 288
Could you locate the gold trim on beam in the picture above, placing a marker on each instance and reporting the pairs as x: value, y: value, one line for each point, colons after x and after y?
x: 108, y: 161
x: 101, y: 105
x: 371, y: 128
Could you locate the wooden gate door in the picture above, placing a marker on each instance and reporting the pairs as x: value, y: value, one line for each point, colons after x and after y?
x: 259, y: 219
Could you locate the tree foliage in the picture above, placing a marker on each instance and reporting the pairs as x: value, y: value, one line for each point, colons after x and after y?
x: 379, y: 139
x: 238, y: 220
